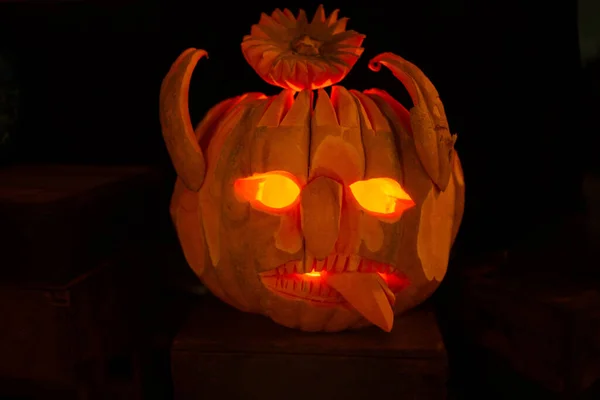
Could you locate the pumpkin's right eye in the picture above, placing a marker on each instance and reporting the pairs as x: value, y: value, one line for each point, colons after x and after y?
x: 275, y: 191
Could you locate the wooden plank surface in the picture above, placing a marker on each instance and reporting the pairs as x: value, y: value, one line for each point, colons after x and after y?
x: 222, y: 352
x: 547, y: 328
x: 215, y: 327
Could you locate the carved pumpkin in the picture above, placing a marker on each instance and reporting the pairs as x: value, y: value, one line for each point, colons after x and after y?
x: 324, y: 211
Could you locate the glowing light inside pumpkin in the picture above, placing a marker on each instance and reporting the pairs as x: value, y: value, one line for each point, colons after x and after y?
x: 313, y: 273
x: 275, y: 190
x: 381, y: 196
x: 318, y: 273
x: 293, y: 87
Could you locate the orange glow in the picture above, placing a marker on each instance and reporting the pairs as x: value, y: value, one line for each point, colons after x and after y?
x: 394, y: 282
x: 313, y: 273
x: 274, y: 191
x: 381, y: 196
x: 295, y: 88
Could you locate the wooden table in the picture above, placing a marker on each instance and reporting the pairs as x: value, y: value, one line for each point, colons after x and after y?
x: 75, y: 272
x: 535, y: 309
x: 221, y: 352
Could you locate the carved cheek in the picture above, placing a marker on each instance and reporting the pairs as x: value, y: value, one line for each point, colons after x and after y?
x: 371, y: 233
x: 288, y: 237
x: 435, y: 231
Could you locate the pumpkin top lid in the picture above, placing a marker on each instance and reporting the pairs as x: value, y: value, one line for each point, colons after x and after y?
x: 292, y: 53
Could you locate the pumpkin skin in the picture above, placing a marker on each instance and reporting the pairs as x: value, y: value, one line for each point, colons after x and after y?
x: 366, y: 267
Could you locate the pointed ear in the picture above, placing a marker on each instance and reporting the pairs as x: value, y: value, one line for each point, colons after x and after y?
x: 177, y: 129
x: 433, y: 141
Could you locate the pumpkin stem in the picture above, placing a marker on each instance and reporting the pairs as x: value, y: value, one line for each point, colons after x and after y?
x: 292, y: 53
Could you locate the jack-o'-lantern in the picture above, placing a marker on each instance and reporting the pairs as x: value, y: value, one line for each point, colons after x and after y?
x: 323, y: 209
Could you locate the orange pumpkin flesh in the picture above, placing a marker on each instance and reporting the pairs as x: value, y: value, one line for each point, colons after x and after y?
x: 323, y: 211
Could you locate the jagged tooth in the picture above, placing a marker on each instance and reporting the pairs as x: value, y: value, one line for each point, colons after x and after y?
x: 361, y: 265
x: 340, y: 263
x: 353, y: 262
x: 371, y: 266
x: 331, y: 260
x: 321, y: 289
x: 320, y: 265
x: 330, y: 263
x: 289, y: 268
x: 299, y: 267
x: 365, y: 266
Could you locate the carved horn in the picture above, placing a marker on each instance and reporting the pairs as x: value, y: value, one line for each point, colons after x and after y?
x: 433, y: 141
x: 177, y: 129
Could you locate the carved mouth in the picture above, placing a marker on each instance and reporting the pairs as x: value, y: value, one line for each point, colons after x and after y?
x: 305, y: 279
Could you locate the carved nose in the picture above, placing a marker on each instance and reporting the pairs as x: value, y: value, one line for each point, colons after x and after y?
x: 321, y: 207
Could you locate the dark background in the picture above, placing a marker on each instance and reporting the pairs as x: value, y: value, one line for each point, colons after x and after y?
x: 509, y: 73
x: 514, y: 86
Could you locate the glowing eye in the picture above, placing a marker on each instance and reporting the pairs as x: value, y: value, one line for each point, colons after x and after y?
x: 383, y: 197
x: 274, y: 191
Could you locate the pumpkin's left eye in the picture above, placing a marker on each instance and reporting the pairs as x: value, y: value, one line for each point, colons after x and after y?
x: 274, y: 191
x: 383, y: 197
